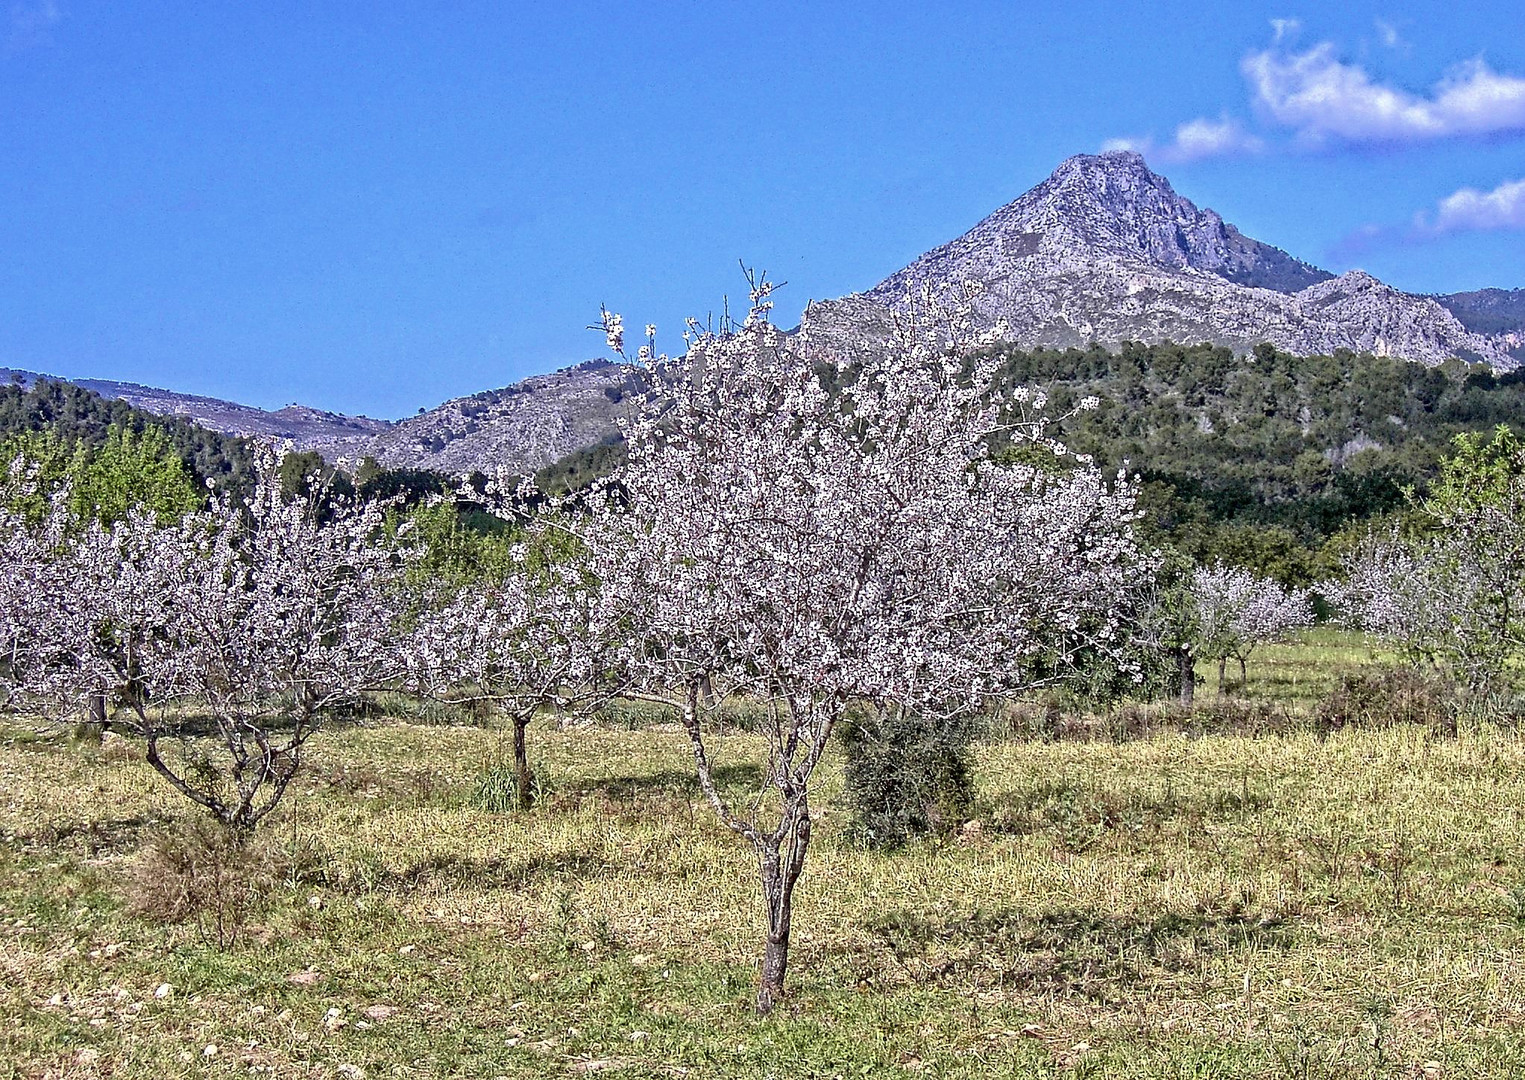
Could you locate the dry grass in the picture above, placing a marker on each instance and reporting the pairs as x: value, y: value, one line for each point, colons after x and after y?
x: 1219, y: 906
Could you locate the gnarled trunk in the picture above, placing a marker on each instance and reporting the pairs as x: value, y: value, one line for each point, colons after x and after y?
x: 781, y: 858
x: 1188, y: 676
x: 1222, y: 667
x: 780, y: 852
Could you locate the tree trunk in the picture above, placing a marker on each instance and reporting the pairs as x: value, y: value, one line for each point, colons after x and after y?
x: 94, y: 727
x: 1222, y: 666
x: 781, y: 857
x: 524, y: 780
x: 1244, y: 678
x: 1188, y: 677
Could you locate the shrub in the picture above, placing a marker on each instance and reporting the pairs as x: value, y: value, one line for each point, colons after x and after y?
x: 1251, y: 719
x: 1388, y: 696
x: 200, y: 870
x: 907, y: 775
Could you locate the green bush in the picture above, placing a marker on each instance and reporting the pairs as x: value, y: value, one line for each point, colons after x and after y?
x: 907, y: 775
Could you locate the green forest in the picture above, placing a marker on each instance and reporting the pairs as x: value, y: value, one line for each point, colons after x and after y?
x: 1266, y: 460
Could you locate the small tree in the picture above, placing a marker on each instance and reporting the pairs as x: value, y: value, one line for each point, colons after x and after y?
x: 261, y: 618
x: 524, y: 638
x: 815, y: 548
x: 1451, y: 590
x: 1169, y: 622
x: 1237, y: 611
x: 132, y: 470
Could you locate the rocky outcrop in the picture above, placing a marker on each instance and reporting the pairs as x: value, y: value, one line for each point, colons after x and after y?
x: 1499, y: 313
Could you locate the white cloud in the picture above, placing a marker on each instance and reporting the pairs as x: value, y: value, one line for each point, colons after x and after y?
x: 1193, y: 141
x: 1470, y: 209
x: 1204, y: 138
x: 1322, y: 98
x: 1389, y: 34
x: 1282, y: 29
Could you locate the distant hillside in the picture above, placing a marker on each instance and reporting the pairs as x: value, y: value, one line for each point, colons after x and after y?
x: 1498, y: 312
x: 518, y: 429
x: 82, y: 417
x: 306, y: 428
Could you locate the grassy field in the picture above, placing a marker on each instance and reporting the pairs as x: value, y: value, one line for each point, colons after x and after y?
x: 1170, y: 906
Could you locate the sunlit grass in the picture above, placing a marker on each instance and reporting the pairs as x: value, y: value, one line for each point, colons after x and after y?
x: 1166, y: 907
x: 1298, y: 673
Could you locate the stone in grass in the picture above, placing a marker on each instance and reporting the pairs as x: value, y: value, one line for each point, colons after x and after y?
x: 304, y: 978
x: 380, y: 1012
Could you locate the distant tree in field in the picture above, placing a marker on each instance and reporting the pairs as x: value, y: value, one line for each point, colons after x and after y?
x: 816, y: 549
x: 1237, y: 611
x: 1168, y: 622
x: 259, y: 618
x: 1450, y: 591
x: 127, y: 468
x: 133, y: 470
x: 520, y: 632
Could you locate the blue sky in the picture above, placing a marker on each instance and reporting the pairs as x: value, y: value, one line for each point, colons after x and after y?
x: 372, y: 207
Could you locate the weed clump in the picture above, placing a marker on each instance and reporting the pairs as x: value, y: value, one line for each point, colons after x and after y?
x: 497, y: 789
x: 198, y: 870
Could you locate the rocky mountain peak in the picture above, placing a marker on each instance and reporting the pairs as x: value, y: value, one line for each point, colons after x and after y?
x: 1105, y: 250
x: 1108, y: 208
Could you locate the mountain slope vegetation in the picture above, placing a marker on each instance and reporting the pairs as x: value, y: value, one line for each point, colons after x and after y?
x: 83, y: 419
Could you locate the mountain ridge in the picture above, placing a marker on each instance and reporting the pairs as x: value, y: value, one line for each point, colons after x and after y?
x: 306, y: 427
x: 1104, y: 250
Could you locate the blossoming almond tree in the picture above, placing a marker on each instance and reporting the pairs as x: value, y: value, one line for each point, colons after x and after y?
x: 524, y: 640
x: 29, y: 581
x: 257, y: 619
x: 813, y: 546
x: 1238, y: 610
x: 1451, y: 591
